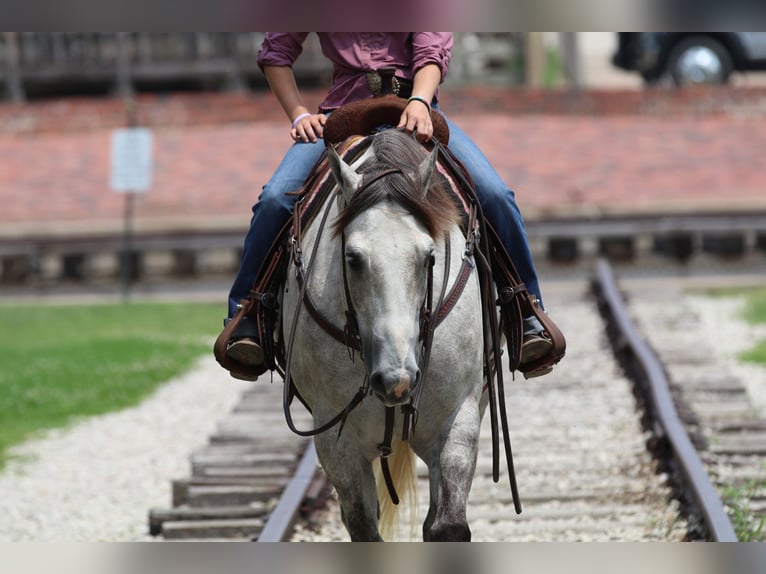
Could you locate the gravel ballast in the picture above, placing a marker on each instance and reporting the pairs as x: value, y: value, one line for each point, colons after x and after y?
x: 97, y: 480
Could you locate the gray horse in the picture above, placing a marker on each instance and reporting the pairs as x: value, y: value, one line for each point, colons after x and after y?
x: 383, y: 248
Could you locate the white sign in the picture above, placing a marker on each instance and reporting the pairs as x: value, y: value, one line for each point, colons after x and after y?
x: 131, y: 159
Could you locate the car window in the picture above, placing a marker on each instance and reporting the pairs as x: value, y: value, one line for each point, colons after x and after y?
x: 754, y: 44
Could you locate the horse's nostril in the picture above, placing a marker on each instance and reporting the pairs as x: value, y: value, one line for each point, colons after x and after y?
x: 383, y: 387
x: 376, y: 383
x: 395, y: 385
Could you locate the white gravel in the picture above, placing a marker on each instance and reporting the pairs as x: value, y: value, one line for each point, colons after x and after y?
x: 729, y: 336
x: 97, y: 480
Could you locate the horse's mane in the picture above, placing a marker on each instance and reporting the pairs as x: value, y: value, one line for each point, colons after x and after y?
x: 392, y: 148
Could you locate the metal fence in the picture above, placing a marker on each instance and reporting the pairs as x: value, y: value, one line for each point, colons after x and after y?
x: 36, y: 64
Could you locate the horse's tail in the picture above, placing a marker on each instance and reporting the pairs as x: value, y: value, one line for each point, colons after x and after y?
x: 402, y: 464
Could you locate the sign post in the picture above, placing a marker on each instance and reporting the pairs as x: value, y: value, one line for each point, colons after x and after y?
x: 131, y: 174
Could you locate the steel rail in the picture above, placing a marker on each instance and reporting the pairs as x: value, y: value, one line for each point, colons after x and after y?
x: 663, y: 408
x: 282, y: 520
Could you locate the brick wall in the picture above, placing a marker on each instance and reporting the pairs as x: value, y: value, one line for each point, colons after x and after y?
x: 85, y: 114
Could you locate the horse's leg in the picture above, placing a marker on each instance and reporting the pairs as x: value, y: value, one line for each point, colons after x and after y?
x: 450, y: 476
x: 352, y: 476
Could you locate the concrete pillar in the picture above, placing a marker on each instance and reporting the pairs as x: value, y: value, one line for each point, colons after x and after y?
x: 534, y: 60
x: 12, y: 68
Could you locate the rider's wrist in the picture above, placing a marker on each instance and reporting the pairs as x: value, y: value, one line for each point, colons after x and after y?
x: 300, y: 117
x: 420, y: 99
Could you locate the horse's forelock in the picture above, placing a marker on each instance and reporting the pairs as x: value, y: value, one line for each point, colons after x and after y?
x: 393, y: 149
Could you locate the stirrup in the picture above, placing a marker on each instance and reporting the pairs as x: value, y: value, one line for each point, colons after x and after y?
x: 545, y: 343
x: 246, y: 351
x: 534, y: 348
x: 539, y: 372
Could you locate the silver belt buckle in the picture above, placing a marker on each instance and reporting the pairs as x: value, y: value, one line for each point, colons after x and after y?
x: 376, y: 84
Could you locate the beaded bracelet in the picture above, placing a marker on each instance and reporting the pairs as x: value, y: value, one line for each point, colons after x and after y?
x: 419, y: 99
x: 300, y: 117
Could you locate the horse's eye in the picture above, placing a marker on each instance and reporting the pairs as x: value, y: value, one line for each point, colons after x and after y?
x: 354, y: 260
x: 430, y: 259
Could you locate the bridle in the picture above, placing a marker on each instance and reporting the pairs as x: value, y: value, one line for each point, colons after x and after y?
x: 430, y: 318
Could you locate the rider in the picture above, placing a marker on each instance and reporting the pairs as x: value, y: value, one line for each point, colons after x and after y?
x: 421, y: 60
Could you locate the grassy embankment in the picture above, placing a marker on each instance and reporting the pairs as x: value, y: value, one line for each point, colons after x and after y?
x: 749, y: 527
x: 58, y: 363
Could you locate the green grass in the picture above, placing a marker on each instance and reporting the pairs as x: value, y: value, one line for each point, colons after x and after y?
x: 553, y: 74
x: 755, y: 308
x: 755, y: 313
x: 747, y: 526
x: 58, y: 363
x: 757, y: 354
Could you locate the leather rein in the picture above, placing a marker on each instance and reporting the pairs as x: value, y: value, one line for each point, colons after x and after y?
x: 348, y: 335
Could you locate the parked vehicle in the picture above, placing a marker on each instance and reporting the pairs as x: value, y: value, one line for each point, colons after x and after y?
x: 687, y: 58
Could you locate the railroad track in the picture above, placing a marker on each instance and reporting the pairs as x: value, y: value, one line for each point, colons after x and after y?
x: 252, y: 471
x: 671, y: 442
x: 721, y: 402
x: 590, y: 465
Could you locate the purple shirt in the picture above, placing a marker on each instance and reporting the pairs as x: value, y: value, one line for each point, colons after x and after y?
x: 353, y: 54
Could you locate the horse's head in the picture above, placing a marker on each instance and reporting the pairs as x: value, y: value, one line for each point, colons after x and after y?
x: 391, y: 220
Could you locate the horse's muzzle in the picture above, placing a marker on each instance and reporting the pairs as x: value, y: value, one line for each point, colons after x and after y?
x: 394, y: 387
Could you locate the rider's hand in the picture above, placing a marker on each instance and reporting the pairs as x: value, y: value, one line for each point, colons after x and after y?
x: 417, y: 117
x: 309, y: 128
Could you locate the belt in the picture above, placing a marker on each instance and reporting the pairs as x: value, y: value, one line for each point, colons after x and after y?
x: 384, y: 82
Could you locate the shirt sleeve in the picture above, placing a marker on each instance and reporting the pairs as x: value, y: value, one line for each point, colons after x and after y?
x: 280, y: 48
x: 432, y: 48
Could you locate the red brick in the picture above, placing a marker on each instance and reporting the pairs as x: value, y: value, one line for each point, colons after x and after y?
x: 608, y: 152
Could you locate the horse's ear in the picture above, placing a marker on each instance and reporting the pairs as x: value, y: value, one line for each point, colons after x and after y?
x: 426, y: 170
x: 348, y: 180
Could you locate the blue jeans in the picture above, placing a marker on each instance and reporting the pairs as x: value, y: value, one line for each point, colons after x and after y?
x: 498, y: 203
x: 274, y: 208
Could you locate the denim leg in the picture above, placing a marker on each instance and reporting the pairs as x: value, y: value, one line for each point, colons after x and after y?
x: 270, y: 213
x: 499, y: 205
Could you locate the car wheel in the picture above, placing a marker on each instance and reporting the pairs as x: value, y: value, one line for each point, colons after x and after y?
x: 699, y: 60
